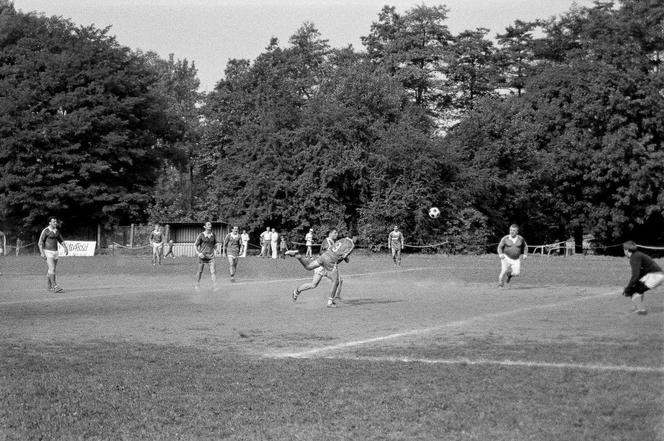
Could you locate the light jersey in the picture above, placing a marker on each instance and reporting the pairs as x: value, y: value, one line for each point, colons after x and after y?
x: 340, y: 250
x: 512, y: 248
x: 49, y: 239
x: 309, y: 239
x: 396, y: 238
x: 232, y: 244
x: 206, y: 244
x: 156, y: 237
x: 245, y: 238
x: 266, y: 236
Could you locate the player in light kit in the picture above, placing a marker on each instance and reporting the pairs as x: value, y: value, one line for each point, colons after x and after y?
x: 646, y: 274
x: 48, y: 248
x: 231, y: 249
x: 510, y: 250
x: 157, y: 242
x: 395, y: 244
x: 205, y: 244
x: 326, y: 265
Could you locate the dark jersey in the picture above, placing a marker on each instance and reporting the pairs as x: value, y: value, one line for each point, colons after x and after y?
x: 206, y: 244
x: 232, y: 244
x: 641, y: 264
x: 156, y: 237
x: 49, y: 239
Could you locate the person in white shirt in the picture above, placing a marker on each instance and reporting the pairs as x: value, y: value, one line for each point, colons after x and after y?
x: 309, y: 240
x: 274, y: 242
x: 266, y: 237
x: 245, y: 243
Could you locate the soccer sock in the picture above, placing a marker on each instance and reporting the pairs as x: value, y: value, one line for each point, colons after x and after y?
x: 48, y: 281
x: 51, y: 280
x: 637, y: 300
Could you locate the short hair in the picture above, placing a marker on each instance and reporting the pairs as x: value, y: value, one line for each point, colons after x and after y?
x: 514, y: 226
x: 630, y: 246
x: 331, y: 230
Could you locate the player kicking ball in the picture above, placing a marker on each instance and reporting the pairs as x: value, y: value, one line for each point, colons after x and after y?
x: 326, y: 265
x: 646, y: 275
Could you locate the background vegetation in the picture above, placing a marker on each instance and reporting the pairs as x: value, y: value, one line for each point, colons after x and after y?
x: 554, y: 124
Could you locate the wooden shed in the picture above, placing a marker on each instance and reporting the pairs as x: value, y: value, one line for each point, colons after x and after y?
x: 184, y: 234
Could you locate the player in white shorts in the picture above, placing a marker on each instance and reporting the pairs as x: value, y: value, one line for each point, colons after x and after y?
x: 48, y: 248
x: 231, y: 249
x: 511, y: 249
x: 328, y: 261
x: 206, y: 244
x: 646, y: 275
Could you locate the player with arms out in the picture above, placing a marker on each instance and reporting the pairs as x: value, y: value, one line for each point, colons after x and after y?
x: 510, y: 250
x: 395, y: 243
x: 646, y: 275
x: 205, y: 244
x: 231, y: 249
x: 157, y: 242
x: 48, y: 248
x: 326, y: 265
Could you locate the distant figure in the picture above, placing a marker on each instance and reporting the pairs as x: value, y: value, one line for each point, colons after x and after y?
x: 157, y: 242
x: 646, y: 275
x: 510, y: 250
x: 245, y: 243
x: 309, y: 241
x: 169, y: 250
x: 274, y: 241
x: 3, y: 245
x: 48, y: 248
x: 231, y: 249
x: 283, y: 246
x: 206, y: 244
x: 395, y: 244
x: 266, y: 238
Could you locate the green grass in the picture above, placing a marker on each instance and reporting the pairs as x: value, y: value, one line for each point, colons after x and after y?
x: 107, y: 365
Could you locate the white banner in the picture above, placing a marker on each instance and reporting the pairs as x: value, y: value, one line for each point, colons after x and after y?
x: 78, y: 248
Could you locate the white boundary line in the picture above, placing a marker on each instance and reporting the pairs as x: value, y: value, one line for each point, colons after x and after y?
x: 167, y: 289
x: 311, y: 353
x: 507, y: 363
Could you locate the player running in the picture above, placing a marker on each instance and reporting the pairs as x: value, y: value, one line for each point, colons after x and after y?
x: 157, y: 242
x: 205, y: 244
x: 646, y: 274
x: 510, y: 250
x: 326, y: 265
x: 231, y: 249
x: 48, y: 248
x: 395, y: 243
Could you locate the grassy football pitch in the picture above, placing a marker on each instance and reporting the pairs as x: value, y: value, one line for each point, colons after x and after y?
x: 433, y: 350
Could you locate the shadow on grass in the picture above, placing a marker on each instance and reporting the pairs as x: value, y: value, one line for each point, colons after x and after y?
x: 360, y: 302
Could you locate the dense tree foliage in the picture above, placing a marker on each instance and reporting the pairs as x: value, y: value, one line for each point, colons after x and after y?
x: 556, y: 124
x: 82, y: 130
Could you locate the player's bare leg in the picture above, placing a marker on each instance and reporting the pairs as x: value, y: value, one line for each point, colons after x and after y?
x: 307, y: 286
x: 308, y: 264
x: 334, y: 276
x: 213, y: 275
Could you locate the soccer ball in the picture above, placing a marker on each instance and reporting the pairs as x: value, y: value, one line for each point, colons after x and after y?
x: 434, y: 212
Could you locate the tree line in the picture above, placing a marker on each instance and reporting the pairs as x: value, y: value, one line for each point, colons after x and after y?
x: 554, y: 124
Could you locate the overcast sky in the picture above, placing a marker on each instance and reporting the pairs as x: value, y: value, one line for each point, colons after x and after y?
x: 210, y: 32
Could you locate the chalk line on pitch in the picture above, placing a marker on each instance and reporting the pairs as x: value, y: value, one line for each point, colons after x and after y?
x: 311, y: 353
x: 505, y: 363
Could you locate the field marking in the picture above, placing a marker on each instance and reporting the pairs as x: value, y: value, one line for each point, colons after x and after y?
x: 165, y: 288
x: 506, y: 363
x: 310, y: 353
